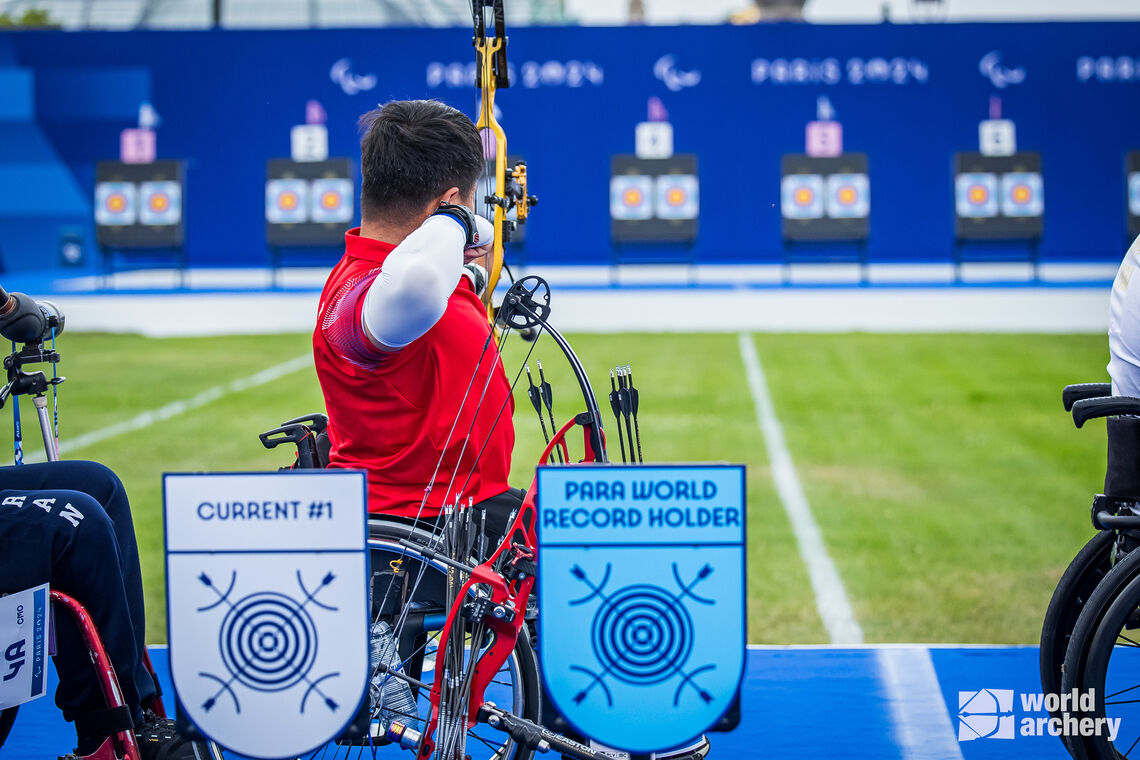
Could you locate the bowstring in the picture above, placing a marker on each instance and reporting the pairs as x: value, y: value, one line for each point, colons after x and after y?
x: 438, y: 529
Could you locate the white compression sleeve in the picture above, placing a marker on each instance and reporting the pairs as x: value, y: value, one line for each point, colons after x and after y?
x: 1124, y: 326
x: 410, y: 294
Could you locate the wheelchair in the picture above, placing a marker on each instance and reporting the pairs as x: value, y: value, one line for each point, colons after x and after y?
x: 1090, y: 631
x: 121, y: 744
x: 410, y: 586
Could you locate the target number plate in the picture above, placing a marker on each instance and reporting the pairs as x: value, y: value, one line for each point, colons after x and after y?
x: 641, y: 582
x: 267, y: 605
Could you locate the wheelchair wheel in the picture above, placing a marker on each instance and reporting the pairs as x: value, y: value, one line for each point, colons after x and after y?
x: 515, y: 687
x: 1075, y: 673
x: 7, y: 718
x: 1081, y: 577
x: 1113, y: 670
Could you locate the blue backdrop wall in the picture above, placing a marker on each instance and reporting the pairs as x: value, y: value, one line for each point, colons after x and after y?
x: 738, y: 97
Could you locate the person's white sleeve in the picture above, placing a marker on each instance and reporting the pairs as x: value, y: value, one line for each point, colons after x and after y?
x: 1124, y: 326
x: 410, y: 294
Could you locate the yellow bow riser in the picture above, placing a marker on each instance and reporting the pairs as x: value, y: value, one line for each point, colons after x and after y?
x: 487, y: 47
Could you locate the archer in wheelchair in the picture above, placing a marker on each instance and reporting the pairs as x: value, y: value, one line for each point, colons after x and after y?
x: 69, y: 524
x: 1090, y: 626
x: 407, y: 353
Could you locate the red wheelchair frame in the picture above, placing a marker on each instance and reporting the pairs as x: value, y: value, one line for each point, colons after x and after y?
x: 123, y: 744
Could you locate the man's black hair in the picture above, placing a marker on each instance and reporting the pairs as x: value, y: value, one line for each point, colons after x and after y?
x: 412, y: 152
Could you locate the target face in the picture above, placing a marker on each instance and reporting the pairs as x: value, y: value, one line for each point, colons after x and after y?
x: 160, y: 203
x: 677, y: 196
x: 331, y: 200
x: 642, y: 635
x: 802, y: 196
x: 976, y: 195
x: 1022, y: 194
x: 631, y: 197
x: 848, y: 196
x: 1134, y: 193
x: 116, y: 203
x: 286, y: 201
x: 268, y: 641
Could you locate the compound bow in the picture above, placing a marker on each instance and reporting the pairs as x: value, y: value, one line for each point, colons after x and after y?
x: 493, y: 597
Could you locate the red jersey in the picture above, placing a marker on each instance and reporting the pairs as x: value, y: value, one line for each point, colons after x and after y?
x: 392, y: 413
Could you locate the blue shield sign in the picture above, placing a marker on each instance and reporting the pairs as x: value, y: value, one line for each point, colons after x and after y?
x: 641, y: 592
x: 267, y: 605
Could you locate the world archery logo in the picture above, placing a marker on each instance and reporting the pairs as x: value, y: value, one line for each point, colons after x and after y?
x: 641, y: 589
x: 985, y: 714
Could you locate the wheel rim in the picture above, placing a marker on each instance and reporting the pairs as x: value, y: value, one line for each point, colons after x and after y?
x: 506, y: 690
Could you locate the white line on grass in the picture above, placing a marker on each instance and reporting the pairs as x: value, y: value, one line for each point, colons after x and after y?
x: 923, y: 729
x: 175, y: 408
x: 830, y: 596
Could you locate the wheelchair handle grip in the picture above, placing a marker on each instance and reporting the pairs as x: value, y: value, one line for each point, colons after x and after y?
x: 1074, y: 393
x: 285, y: 434
x: 317, y: 422
x: 1107, y: 406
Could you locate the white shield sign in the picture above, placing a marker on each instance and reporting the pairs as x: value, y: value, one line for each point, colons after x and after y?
x: 267, y: 606
x: 641, y: 589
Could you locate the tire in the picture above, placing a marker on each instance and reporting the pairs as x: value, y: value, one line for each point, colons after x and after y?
x: 1089, y: 621
x: 7, y: 718
x: 1112, y: 668
x: 1080, y: 579
x: 515, y: 688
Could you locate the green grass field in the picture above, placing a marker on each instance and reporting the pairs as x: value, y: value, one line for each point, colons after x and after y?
x: 950, y: 487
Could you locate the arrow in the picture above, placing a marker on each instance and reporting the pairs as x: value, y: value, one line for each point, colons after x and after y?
x: 687, y: 588
x: 635, y: 400
x: 615, y: 404
x: 580, y: 574
x: 532, y: 393
x: 209, y: 583
x: 626, y: 405
x: 310, y: 596
x: 547, y: 394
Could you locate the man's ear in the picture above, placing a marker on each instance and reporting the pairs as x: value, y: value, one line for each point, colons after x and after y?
x: 451, y: 196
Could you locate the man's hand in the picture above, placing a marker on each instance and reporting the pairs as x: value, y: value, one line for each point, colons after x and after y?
x: 484, y: 240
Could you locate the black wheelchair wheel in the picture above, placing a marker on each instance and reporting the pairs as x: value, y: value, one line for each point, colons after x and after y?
x: 1112, y: 669
x: 421, y: 584
x: 1079, y: 651
x: 7, y: 718
x: 1080, y: 578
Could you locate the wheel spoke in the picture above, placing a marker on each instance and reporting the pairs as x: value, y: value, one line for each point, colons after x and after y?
x: 1118, y: 693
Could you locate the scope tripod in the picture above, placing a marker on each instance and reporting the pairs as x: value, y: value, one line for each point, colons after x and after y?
x: 36, y: 385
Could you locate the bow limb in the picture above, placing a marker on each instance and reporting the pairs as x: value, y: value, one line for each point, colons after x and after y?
x: 487, y: 121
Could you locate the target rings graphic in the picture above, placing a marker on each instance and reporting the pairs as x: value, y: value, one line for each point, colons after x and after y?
x: 642, y: 635
x: 268, y: 641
